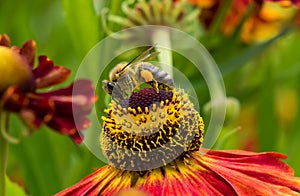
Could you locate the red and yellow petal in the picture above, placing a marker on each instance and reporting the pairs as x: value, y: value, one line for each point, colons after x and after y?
x: 234, y: 15
x: 206, y: 4
x: 152, y: 182
x: 257, y: 30
x: 223, y: 173
x: 287, y: 3
x: 252, y: 173
x: 105, y: 181
x: 131, y: 192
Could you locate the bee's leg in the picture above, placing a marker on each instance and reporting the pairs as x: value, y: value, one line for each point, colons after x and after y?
x: 154, y: 84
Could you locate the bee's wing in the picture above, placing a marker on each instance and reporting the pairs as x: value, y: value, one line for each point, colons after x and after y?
x: 144, y: 56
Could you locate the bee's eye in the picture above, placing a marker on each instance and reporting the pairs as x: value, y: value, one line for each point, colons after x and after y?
x: 110, y: 86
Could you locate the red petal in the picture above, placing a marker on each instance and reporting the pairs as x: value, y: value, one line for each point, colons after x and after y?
x: 71, y: 108
x: 46, y: 74
x: 252, y: 173
x: 54, y: 108
x: 215, y: 173
x: 39, y: 111
x: 4, y: 40
x: 28, y: 51
x: 105, y: 182
x: 14, y: 100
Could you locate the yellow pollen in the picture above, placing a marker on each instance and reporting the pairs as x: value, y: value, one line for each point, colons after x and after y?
x: 139, y: 110
x: 171, y: 127
x: 146, y: 110
x: 154, y: 107
x: 162, y: 104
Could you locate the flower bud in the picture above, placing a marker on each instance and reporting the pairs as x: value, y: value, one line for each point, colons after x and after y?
x: 176, y: 14
x: 14, y: 70
x: 232, y: 109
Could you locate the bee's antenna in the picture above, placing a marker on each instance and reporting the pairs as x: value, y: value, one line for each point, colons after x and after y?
x: 144, y: 55
x: 130, y: 62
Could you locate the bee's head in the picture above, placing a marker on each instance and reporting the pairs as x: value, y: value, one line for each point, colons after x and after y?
x: 108, y: 86
x: 115, y: 73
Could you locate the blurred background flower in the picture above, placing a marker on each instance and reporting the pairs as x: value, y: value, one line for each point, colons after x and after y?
x: 176, y: 14
x: 20, y: 94
x: 262, y: 73
x: 252, y: 20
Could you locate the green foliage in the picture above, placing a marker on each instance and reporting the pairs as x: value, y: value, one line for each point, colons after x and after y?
x: 13, y: 189
x: 66, y: 30
x: 83, y: 25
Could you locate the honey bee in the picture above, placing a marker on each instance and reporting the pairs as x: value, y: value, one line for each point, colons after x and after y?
x: 126, y: 77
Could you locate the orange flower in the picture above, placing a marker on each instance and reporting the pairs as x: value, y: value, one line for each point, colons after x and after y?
x: 229, y: 172
x: 235, y: 15
x: 205, y: 4
x: 152, y: 141
x: 265, y: 21
x: 287, y: 2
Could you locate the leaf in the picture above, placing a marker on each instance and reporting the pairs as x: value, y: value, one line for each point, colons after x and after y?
x: 267, y: 126
x: 13, y: 189
x: 237, y: 56
x: 293, y: 140
x: 83, y: 24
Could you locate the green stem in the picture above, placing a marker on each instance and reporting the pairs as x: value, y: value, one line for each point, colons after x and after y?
x: 3, y: 150
x: 220, y: 17
x: 226, y: 137
x: 114, y: 10
x: 162, y: 38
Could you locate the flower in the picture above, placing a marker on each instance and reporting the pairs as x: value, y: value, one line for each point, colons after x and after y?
x: 287, y: 2
x: 226, y: 172
x: 234, y: 13
x: 131, y: 192
x: 257, y: 20
x: 267, y: 21
x: 176, y: 14
x: 208, y: 12
x: 235, y: 16
x: 21, y: 86
x: 160, y: 126
x: 152, y: 141
x: 204, y: 3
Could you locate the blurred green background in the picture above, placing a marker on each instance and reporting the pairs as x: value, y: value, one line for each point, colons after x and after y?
x: 263, y: 77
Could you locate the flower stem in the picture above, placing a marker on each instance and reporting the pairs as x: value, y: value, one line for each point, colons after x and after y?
x: 162, y: 38
x: 220, y: 17
x: 3, y: 150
